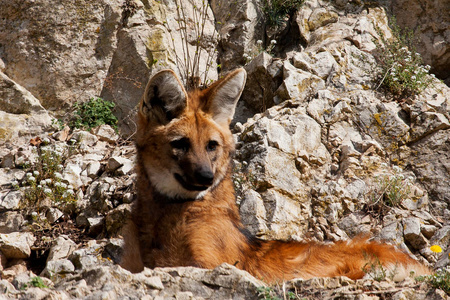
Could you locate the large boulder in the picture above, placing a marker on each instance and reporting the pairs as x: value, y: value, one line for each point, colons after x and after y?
x: 16, y: 244
x: 60, y: 52
x: 21, y: 114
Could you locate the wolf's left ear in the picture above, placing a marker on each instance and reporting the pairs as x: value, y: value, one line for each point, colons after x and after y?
x: 225, y: 95
x: 164, y: 97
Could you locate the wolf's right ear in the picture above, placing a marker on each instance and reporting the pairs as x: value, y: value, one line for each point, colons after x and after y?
x: 164, y: 97
x: 225, y: 95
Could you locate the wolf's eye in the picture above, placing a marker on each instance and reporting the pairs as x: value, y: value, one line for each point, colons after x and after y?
x: 212, y: 145
x: 180, y: 144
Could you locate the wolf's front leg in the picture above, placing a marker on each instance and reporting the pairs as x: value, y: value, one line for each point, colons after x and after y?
x: 131, y: 257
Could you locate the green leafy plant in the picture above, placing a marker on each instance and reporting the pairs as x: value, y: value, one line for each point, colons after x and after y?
x: 58, y: 123
x: 402, y: 73
x: 38, y: 282
x: 34, y: 282
x: 93, y: 113
x: 375, y: 270
x: 268, y: 293
x: 276, y: 11
x: 440, y: 280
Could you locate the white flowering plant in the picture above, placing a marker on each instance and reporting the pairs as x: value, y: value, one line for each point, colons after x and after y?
x: 44, y: 180
x: 259, y: 49
x: 402, y: 72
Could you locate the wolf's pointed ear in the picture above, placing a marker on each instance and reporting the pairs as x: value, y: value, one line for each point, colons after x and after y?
x: 225, y: 95
x: 164, y: 97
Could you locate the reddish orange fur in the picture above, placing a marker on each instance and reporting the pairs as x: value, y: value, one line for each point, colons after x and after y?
x: 208, y: 231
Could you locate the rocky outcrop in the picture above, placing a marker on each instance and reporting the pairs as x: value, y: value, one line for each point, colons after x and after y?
x: 22, y: 115
x: 60, y: 53
x: 318, y: 149
x: 223, y: 282
x: 100, y: 48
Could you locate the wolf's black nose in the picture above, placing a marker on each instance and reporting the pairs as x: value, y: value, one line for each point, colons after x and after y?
x: 204, y: 176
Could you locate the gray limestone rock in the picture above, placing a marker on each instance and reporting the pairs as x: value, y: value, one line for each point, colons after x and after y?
x: 412, y: 233
x: 121, y: 165
x: 62, y: 248
x: 16, y: 244
x: 106, y: 133
x: 58, y: 267
x: 10, y: 200
x: 264, y: 75
x: 297, y: 84
x: 11, y: 221
x: 78, y: 40
x: 441, y: 237
x: 253, y: 213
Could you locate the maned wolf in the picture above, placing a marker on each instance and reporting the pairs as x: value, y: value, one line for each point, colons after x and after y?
x: 185, y: 213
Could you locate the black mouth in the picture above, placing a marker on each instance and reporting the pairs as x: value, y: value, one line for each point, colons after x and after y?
x: 189, y: 187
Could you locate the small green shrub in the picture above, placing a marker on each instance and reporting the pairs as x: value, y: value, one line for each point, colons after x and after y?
x: 402, y: 73
x: 276, y: 11
x: 58, y: 123
x: 392, y: 187
x: 93, y: 113
x: 34, y: 282
x: 440, y: 280
x: 37, y: 282
x: 387, y: 190
x: 268, y: 293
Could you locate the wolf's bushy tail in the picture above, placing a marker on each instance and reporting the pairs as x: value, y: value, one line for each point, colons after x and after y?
x: 355, y: 259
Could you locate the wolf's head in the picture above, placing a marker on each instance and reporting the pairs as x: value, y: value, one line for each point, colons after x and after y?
x: 183, y: 140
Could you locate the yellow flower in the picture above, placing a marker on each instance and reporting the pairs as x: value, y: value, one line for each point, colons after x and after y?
x: 436, y: 249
